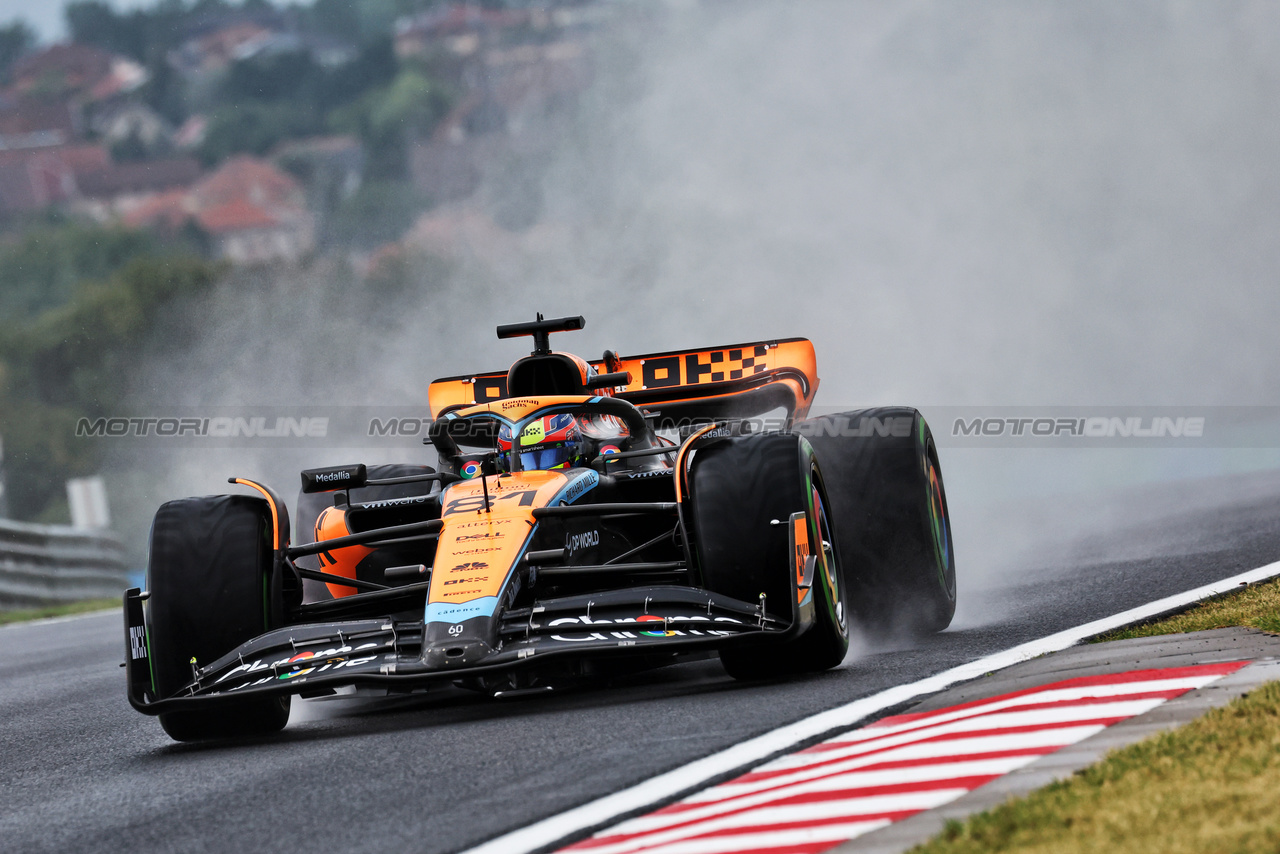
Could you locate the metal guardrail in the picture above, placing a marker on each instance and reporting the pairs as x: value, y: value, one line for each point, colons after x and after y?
x: 44, y: 564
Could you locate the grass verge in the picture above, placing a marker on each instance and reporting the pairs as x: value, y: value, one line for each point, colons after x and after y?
x: 1210, y: 786
x: 84, y: 607
x: 1257, y: 606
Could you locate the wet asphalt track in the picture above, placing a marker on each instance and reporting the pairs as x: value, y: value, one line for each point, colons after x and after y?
x: 82, y: 771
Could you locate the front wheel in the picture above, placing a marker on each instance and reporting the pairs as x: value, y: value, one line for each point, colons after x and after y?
x: 743, y: 492
x: 209, y: 577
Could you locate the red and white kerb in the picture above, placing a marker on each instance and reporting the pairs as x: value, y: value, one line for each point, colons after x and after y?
x: 863, y: 780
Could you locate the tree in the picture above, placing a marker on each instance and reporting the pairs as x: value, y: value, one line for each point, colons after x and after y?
x: 337, y: 18
x: 164, y: 91
x: 42, y: 269
x: 73, y: 362
x: 254, y: 127
x: 291, y: 75
x: 375, y: 65
x: 95, y: 22
x: 388, y: 117
x: 16, y: 40
x: 379, y: 212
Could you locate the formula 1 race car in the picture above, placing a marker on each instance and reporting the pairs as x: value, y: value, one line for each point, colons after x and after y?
x: 584, y: 519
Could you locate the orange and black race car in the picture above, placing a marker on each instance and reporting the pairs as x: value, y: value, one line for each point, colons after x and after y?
x: 584, y: 519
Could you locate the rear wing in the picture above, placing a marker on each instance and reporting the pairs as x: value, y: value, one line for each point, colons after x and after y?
x: 735, y: 381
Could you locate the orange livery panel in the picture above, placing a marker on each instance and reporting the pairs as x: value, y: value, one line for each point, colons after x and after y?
x: 484, y: 537
x: 331, y: 524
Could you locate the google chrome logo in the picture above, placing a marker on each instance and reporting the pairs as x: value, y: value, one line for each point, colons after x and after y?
x: 650, y: 618
x: 302, y: 656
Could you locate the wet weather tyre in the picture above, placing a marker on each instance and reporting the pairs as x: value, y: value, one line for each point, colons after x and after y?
x: 737, y: 488
x: 889, y: 512
x: 209, y: 579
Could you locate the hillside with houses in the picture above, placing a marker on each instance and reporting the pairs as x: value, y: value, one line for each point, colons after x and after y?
x: 169, y: 151
x: 262, y: 133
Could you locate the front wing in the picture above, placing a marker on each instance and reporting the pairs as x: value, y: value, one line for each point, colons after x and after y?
x: 315, y: 659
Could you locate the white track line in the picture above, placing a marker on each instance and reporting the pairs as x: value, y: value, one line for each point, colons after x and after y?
x: 687, y: 778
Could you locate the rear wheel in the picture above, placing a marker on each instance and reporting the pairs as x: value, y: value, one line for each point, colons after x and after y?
x: 738, y: 488
x: 209, y: 576
x: 889, y: 511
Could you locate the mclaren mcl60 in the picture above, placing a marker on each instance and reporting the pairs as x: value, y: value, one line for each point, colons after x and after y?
x: 582, y: 518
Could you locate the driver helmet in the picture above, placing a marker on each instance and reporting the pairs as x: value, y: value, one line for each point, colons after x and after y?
x: 603, y: 428
x: 548, y: 443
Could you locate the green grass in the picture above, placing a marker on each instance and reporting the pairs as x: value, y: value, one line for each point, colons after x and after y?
x: 83, y: 607
x: 1257, y: 606
x: 1210, y: 786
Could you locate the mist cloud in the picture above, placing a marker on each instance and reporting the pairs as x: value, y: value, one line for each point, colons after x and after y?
x: 997, y: 203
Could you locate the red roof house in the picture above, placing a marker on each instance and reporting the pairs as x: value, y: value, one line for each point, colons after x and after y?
x: 254, y: 212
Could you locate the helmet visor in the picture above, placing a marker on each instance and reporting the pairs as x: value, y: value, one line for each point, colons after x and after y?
x: 546, y: 459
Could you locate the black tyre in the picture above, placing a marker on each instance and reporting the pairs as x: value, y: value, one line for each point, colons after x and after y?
x: 209, y: 577
x: 738, y: 487
x: 889, y: 511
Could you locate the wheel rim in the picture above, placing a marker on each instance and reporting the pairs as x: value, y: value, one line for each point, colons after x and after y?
x: 822, y: 533
x: 938, y: 527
